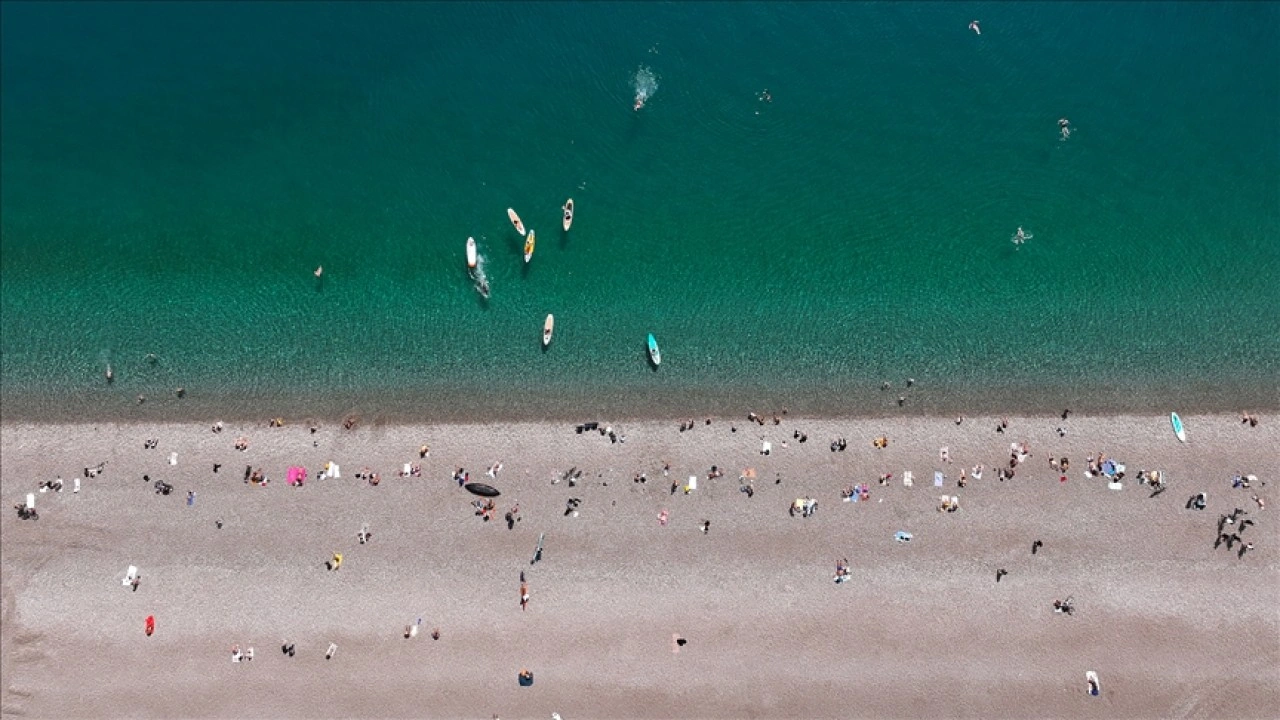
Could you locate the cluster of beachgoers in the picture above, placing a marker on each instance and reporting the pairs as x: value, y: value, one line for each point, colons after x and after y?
x: 595, y: 569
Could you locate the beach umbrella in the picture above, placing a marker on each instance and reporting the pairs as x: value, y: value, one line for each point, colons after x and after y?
x: 482, y: 490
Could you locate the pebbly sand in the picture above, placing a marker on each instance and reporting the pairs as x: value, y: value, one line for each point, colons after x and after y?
x: 1173, y: 627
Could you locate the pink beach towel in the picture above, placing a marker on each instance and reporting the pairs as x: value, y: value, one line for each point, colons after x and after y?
x: 297, y: 475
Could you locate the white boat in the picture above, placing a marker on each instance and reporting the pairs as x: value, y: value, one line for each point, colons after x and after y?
x: 515, y: 220
x: 528, y: 247
x: 547, y: 328
x: 471, y: 252
x: 568, y: 214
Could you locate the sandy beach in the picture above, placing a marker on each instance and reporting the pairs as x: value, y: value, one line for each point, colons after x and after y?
x: 1172, y: 626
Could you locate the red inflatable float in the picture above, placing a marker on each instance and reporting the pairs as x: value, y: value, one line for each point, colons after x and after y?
x: 151, y: 624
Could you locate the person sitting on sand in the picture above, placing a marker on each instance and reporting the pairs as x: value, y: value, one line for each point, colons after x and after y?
x: 842, y: 571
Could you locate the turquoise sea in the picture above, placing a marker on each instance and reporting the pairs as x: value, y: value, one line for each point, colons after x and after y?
x: 172, y: 173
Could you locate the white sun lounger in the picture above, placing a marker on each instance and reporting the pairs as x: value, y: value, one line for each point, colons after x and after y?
x: 907, y: 479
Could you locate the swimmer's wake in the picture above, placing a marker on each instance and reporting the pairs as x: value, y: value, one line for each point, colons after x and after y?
x: 646, y: 84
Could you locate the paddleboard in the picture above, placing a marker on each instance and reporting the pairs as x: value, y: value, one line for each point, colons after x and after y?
x: 568, y: 214
x: 654, y: 353
x: 1178, y: 430
x: 547, y: 328
x: 515, y: 220
x: 528, y: 247
x: 471, y: 252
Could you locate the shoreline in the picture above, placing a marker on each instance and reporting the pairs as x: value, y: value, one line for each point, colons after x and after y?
x: 1173, y: 626
x: 927, y: 398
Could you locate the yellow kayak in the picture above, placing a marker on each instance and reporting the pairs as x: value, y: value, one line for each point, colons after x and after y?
x: 528, y: 247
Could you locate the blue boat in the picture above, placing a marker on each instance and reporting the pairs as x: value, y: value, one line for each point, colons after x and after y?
x: 654, y: 353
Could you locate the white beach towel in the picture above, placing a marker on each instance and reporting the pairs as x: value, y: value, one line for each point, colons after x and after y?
x: 938, y: 477
x: 31, y: 501
x: 77, y: 488
x: 173, y: 458
x: 766, y: 448
x: 129, y: 575
x: 1115, y: 486
x: 693, y: 483
x: 907, y: 479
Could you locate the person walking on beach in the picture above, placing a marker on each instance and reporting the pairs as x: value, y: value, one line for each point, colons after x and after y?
x: 1244, y: 548
x: 1001, y: 573
x: 1036, y: 546
x: 524, y: 592
x: 706, y: 526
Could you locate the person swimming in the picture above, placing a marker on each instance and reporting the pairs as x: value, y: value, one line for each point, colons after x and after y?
x: 974, y: 27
